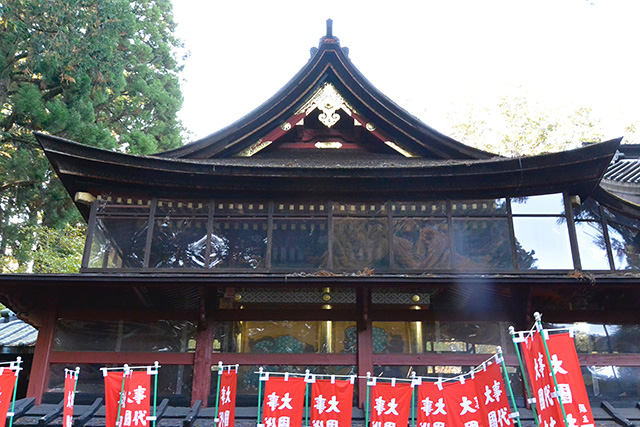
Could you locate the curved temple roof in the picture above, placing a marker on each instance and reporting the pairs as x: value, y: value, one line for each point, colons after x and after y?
x: 404, y: 157
x: 329, y: 64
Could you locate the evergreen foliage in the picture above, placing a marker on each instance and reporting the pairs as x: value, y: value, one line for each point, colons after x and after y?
x: 101, y: 72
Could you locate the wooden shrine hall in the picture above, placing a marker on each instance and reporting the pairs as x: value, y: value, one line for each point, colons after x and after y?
x: 331, y: 230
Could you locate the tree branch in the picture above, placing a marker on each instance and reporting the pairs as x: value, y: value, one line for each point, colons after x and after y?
x: 7, y: 185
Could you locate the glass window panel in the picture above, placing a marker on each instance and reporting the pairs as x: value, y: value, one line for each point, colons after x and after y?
x: 589, y: 210
x: 543, y: 243
x: 174, y: 381
x: 76, y: 335
x: 159, y: 336
x: 614, y: 217
x: 103, y: 254
x: 546, y: 204
x: 122, y: 238
x: 299, y: 243
x: 178, y: 243
x: 482, y: 244
x: 440, y: 337
x: 360, y: 243
x: 625, y: 246
x: 604, y: 339
x: 490, y: 207
x: 616, y: 384
x: 285, y: 337
x: 592, y: 246
x: 239, y: 243
x: 427, y: 208
x: 393, y: 337
x: 420, y: 244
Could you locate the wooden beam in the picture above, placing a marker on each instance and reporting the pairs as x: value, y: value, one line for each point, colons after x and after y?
x: 128, y: 315
x: 137, y: 358
x: 435, y: 359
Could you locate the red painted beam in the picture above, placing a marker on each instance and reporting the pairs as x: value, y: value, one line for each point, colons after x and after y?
x: 137, y: 358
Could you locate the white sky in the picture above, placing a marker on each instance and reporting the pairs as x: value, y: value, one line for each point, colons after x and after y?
x: 432, y: 57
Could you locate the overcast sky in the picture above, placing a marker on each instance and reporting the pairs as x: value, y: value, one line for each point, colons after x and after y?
x: 432, y: 57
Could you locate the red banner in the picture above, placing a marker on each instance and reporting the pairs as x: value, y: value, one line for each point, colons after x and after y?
x: 227, y: 403
x: 462, y: 402
x: 543, y: 389
x: 136, y: 402
x: 331, y: 403
x: 8, y: 378
x: 432, y: 411
x: 566, y: 367
x: 283, y: 402
x: 70, y: 379
x: 390, y: 404
x: 112, y: 387
x: 493, y: 399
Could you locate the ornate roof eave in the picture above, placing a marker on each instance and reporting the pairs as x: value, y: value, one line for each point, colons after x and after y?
x: 87, y: 169
x: 329, y: 62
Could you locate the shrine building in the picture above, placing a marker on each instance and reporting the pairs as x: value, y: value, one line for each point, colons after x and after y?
x: 331, y: 230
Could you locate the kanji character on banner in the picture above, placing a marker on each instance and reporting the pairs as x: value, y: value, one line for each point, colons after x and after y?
x: 566, y: 367
x: 227, y: 403
x: 70, y: 380
x: 135, y: 401
x: 463, y: 404
x: 283, y: 402
x: 390, y: 404
x: 543, y: 388
x: 493, y: 399
x: 432, y: 410
x: 331, y: 403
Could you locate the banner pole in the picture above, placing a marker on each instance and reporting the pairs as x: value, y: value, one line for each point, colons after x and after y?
x: 523, y: 371
x: 155, y: 391
x: 259, y: 396
x: 538, y: 318
x: 75, y: 388
x: 15, y: 390
x: 216, y: 420
x: 124, y: 375
x: 366, y: 405
x: 306, y: 400
x: 413, y: 399
x: 505, y: 376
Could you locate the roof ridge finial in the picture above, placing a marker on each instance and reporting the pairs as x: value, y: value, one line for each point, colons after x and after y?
x: 329, y: 29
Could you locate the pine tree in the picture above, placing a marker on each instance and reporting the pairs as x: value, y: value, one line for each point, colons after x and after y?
x: 100, y: 72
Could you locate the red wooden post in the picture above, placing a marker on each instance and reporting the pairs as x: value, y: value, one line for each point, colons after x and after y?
x: 365, y: 343
x: 44, y: 345
x: 202, y: 364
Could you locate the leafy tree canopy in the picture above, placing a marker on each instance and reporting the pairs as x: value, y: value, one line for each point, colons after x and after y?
x: 518, y: 127
x: 101, y: 72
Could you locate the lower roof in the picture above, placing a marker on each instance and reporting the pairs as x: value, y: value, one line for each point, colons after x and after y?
x: 87, y: 169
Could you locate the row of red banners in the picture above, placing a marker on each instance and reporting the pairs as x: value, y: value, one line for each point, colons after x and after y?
x: 477, y: 401
x: 557, y: 386
x: 558, y: 395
